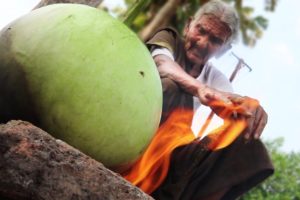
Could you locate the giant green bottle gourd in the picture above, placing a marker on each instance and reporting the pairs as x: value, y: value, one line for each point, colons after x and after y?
x: 82, y: 76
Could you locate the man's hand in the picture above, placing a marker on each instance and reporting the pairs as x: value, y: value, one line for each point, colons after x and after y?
x: 209, y: 97
x: 229, y: 105
x: 258, y: 119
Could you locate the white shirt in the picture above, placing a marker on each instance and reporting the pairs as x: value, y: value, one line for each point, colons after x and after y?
x: 210, y: 76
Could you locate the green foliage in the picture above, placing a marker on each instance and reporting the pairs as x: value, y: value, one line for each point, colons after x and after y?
x: 134, y: 11
x: 252, y: 27
x: 247, y: 11
x: 285, y: 183
x: 270, y: 5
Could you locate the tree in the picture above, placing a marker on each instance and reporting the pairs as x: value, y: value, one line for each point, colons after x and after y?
x: 159, y: 13
x: 285, y: 183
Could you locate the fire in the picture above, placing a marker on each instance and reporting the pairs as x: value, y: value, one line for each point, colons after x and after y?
x: 225, y: 134
x: 150, y: 170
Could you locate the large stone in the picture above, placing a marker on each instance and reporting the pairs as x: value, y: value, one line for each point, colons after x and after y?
x: 36, y: 166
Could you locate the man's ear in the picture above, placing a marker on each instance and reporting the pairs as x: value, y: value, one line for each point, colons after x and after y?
x: 187, y: 25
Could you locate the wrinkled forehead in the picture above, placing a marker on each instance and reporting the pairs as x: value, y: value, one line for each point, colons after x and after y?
x: 214, y: 25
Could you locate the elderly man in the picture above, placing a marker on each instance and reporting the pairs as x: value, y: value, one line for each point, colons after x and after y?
x: 189, y: 80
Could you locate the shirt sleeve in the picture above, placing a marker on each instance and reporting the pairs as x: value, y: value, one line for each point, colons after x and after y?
x: 164, y: 38
x: 162, y: 51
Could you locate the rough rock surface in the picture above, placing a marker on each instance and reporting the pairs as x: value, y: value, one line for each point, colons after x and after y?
x: 34, y: 165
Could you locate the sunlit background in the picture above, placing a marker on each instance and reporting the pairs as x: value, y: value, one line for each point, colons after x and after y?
x: 275, y: 78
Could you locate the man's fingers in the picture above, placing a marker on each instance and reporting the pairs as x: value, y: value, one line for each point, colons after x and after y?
x: 261, y: 121
x: 245, y: 106
x: 232, y: 105
x: 236, y: 99
x: 256, y: 124
x: 249, y: 129
x: 243, y: 111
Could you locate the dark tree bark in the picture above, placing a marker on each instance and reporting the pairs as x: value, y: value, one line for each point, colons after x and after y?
x: 161, y: 19
x: 34, y: 165
x: 93, y: 3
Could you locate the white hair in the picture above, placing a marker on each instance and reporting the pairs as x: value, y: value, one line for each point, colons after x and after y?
x: 224, y: 12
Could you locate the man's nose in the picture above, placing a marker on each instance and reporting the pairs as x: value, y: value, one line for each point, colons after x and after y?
x: 202, y: 42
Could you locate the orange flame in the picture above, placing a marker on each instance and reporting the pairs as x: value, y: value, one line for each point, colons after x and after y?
x: 149, y: 171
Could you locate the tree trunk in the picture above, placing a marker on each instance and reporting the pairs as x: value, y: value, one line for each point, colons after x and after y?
x: 34, y: 165
x: 161, y: 19
x: 93, y: 3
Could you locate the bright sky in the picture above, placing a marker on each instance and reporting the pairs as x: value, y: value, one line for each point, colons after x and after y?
x: 275, y: 79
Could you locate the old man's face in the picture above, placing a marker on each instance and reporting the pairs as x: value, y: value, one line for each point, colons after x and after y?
x: 204, y: 38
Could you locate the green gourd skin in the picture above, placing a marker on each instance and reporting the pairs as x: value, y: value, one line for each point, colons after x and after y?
x: 82, y: 76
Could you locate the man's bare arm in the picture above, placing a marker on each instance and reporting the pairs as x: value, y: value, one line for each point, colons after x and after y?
x: 170, y: 69
x: 245, y: 107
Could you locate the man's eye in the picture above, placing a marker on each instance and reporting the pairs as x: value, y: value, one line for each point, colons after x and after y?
x: 201, y: 31
x: 216, y: 40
